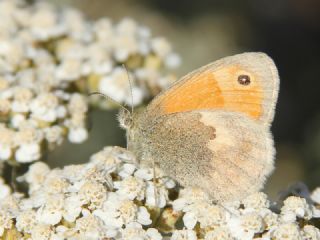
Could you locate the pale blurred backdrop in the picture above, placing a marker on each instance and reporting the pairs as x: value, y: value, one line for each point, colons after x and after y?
x: 203, y: 31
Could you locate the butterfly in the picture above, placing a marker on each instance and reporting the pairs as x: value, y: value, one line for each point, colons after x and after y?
x: 211, y: 128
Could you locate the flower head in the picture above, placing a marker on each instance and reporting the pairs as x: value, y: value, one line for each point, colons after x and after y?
x: 50, y: 59
x: 112, y: 197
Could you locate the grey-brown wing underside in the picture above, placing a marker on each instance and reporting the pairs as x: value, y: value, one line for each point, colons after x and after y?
x: 225, y: 153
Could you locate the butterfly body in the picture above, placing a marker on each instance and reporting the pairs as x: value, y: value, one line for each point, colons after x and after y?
x: 211, y: 129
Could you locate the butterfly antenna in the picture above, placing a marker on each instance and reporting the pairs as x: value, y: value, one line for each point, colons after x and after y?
x: 130, y: 85
x: 110, y: 99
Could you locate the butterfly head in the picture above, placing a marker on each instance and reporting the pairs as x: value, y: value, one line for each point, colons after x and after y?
x: 125, y: 119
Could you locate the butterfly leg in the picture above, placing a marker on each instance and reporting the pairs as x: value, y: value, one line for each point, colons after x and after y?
x: 155, y: 183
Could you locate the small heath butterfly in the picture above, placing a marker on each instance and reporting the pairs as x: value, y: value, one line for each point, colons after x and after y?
x: 211, y: 129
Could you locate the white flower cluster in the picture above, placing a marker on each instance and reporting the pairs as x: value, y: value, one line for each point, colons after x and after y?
x: 251, y: 218
x: 34, y: 122
x: 111, y: 197
x: 48, y: 57
x: 61, y: 46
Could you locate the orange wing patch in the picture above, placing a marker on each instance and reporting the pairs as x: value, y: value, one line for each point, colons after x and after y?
x: 203, y: 92
x: 214, y: 90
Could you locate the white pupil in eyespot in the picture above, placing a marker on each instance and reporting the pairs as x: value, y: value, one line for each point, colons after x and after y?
x: 244, y: 79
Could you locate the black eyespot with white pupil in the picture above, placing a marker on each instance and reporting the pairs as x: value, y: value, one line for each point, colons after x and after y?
x: 244, y: 79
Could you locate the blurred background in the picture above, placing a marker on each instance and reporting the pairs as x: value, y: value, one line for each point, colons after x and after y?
x: 206, y: 30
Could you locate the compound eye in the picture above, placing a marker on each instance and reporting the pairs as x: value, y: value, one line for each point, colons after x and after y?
x: 244, y: 79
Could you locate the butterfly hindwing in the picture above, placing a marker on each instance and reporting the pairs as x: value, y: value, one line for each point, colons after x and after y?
x: 216, y: 149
